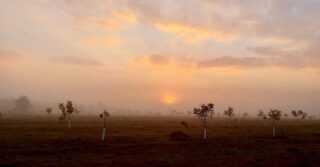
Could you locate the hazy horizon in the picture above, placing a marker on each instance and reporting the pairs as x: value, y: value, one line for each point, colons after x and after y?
x: 162, y: 55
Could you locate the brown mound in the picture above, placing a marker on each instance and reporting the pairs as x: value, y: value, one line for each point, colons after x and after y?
x: 179, y: 136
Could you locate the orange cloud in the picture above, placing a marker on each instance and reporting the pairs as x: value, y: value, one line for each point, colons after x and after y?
x: 70, y: 60
x: 194, y: 34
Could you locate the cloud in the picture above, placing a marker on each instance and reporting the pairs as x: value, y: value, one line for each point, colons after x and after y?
x: 159, y: 59
x: 227, y: 61
x: 264, y: 50
x: 111, y: 15
x: 10, y: 55
x: 70, y: 60
x: 192, y: 34
x: 284, y: 61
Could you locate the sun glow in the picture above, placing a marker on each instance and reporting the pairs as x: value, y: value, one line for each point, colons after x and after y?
x: 169, y: 99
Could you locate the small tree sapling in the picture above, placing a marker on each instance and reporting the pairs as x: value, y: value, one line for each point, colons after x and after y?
x: 274, y: 115
x: 202, y: 114
x: 67, y: 110
x: 229, y: 113
x: 104, y: 115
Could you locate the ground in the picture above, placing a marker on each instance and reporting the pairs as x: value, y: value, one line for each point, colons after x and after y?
x: 144, y: 141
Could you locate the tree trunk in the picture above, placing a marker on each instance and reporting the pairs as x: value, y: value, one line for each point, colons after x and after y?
x: 103, y: 133
x: 205, y: 130
x: 69, y: 122
x: 274, y: 129
x: 104, y: 128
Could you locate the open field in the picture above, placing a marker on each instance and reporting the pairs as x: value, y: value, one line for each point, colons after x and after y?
x: 144, y: 141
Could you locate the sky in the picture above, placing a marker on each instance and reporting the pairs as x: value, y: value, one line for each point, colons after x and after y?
x: 163, y: 55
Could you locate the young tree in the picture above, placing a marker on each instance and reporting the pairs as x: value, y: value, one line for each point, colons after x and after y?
x: 202, y: 114
x: 274, y: 115
x: 67, y: 110
x: 229, y: 113
x: 104, y: 115
x: 49, y: 110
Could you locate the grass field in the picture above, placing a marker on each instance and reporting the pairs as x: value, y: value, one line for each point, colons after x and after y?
x: 144, y: 141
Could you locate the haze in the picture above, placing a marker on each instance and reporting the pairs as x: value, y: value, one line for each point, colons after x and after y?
x: 162, y: 55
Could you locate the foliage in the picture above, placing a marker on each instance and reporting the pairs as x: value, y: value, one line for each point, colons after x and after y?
x: 274, y: 114
x: 63, y: 110
x: 203, y: 111
x: 104, y: 114
x: 299, y: 113
x: 262, y: 115
x: 69, y: 107
x: 229, y: 112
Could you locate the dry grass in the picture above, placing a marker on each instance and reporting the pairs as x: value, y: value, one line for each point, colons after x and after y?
x: 144, y: 141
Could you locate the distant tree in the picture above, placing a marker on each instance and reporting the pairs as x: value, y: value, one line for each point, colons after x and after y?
x: 63, y: 110
x: 245, y: 115
x: 22, y: 104
x: 274, y: 115
x: 67, y: 110
x: 184, y: 124
x: 229, y: 113
x: 202, y: 114
x: 299, y: 114
x: 104, y: 115
x: 49, y: 110
x: 294, y: 113
x: 303, y: 115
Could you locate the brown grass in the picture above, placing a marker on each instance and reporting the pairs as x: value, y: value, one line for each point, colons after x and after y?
x: 144, y: 141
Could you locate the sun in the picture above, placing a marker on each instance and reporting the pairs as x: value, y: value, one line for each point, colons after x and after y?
x: 169, y: 99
